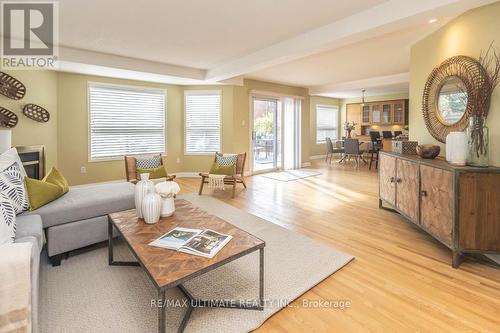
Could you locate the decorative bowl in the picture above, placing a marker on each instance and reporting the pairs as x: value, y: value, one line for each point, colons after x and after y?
x: 428, y: 151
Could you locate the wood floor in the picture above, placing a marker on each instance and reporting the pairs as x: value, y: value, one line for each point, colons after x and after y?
x: 401, y: 279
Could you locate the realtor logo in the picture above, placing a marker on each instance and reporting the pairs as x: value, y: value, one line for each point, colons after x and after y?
x: 29, y: 34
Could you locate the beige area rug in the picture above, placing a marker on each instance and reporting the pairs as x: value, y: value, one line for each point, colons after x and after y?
x: 84, y: 294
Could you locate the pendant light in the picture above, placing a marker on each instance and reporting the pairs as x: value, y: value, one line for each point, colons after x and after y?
x: 363, y: 101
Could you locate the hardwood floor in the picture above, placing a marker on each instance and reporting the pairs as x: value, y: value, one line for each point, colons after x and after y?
x: 401, y: 279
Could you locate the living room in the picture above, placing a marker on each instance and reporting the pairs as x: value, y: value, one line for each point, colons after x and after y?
x: 268, y: 167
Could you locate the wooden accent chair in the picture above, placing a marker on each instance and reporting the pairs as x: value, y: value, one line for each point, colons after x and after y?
x: 237, y: 178
x: 131, y: 170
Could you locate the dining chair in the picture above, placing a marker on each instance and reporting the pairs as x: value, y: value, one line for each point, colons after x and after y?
x: 333, y: 148
x: 376, y: 145
x: 351, y: 149
x: 397, y: 133
x: 387, y: 134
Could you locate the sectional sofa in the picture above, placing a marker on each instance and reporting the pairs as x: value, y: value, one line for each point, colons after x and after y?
x: 75, y: 220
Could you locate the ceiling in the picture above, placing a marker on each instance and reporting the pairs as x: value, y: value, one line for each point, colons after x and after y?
x: 335, y: 48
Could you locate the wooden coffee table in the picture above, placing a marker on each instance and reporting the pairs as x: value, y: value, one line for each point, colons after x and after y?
x: 169, y: 268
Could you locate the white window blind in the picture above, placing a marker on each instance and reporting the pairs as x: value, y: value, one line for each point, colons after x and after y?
x: 203, y: 121
x: 125, y: 121
x: 327, y: 123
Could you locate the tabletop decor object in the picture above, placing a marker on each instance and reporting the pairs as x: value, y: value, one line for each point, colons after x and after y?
x: 8, y: 118
x: 349, y: 127
x: 428, y: 151
x: 36, y: 113
x: 142, y: 188
x: 167, y: 191
x: 11, y: 87
x: 404, y: 147
x: 456, y: 148
x: 151, y: 207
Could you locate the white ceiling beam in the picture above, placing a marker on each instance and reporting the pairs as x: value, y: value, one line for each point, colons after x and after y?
x: 380, y: 81
x: 68, y: 56
x: 387, y: 17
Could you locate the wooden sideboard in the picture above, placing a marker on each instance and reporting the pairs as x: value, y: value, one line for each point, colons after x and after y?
x: 458, y: 206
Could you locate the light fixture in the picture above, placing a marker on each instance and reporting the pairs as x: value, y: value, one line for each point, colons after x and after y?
x: 432, y: 20
x: 363, y: 100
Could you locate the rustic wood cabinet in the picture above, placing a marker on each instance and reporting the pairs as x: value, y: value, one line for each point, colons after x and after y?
x: 459, y: 206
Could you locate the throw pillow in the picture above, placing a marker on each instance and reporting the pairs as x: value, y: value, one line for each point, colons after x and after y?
x: 7, y: 220
x: 224, y: 165
x: 154, y: 173
x: 148, y: 162
x: 12, y: 186
x: 41, y: 192
x: 55, y: 177
x: 9, y: 157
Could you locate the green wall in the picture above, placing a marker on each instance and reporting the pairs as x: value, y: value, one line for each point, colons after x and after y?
x: 468, y: 35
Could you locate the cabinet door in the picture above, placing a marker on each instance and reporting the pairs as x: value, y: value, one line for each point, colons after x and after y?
x: 386, y: 114
x: 387, y: 177
x: 436, y: 202
x: 353, y: 113
x: 407, y: 188
x: 399, y: 113
x: 376, y: 114
x: 365, y: 115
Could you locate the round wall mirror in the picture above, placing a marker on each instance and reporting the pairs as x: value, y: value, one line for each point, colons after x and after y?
x: 449, y: 94
x: 452, y: 100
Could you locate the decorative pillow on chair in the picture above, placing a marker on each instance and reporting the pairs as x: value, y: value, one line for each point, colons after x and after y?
x: 148, y: 162
x: 41, y: 192
x: 7, y: 220
x: 12, y: 186
x: 224, y: 165
x: 154, y: 173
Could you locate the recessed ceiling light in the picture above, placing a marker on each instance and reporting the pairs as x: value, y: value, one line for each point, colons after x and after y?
x: 433, y: 20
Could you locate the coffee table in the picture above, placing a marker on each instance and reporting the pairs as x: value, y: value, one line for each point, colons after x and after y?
x: 169, y: 268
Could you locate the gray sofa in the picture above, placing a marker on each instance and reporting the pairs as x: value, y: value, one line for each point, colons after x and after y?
x: 76, y: 220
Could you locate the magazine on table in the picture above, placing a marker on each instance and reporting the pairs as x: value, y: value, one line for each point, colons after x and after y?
x: 200, y: 242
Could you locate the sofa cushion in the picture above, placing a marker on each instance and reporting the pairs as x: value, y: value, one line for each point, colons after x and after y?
x: 29, y: 228
x: 87, y: 201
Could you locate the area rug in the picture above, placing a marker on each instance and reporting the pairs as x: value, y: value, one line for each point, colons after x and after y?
x: 291, y: 175
x: 84, y: 294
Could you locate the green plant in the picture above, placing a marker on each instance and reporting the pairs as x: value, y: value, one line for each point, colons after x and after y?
x: 264, y: 124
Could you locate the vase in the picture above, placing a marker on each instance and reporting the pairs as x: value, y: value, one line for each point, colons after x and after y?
x: 167, y: 207
x: 151, y: 207
x: 349, y: 134
x: 477, y: 142
x: 456, y: 148
x: 142, y: 188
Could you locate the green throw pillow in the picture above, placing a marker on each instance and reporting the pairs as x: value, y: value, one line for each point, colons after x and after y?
x: 224, y: 165
x: 41, y: 192
x: 154, y: 173
x: 55, y: 177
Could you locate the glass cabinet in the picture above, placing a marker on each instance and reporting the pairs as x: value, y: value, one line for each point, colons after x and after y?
x: 375, y: 113
x: 386, y: 113
x: 365, y: 115
x: 399, y: 113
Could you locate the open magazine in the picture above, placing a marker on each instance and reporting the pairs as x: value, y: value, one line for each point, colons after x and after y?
x: 204, y: 243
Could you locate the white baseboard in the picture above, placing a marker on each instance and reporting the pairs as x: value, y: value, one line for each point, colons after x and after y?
x: 317, y: 157
x: 306, y: 164
x: 187, y: 174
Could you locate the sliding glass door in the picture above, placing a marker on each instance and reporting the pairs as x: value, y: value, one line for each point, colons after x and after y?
x: 266, y: 134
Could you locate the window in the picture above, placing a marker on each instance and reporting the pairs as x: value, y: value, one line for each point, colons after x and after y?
x: 203, y: 121
x: 327, y: 122
x: 125, y: 121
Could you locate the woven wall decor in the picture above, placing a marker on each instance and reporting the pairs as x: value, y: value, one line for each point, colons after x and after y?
x: 11, y: 87
x: 7, y: 118
x: 36, y: 113
x: 474, y: 78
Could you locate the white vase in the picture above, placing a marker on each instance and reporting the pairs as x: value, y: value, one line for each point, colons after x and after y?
x: 142, y: 188
x: 167, y: 206
x: 151, y: 207
x: 456, y: 148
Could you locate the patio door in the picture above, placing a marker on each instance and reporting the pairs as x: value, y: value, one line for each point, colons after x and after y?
x: 266, y: 134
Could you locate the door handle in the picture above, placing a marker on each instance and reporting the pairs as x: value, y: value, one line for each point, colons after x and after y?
x: 392, y: 179
x: 253, y: 135
x: 423, y: 193
x: 399, y: 180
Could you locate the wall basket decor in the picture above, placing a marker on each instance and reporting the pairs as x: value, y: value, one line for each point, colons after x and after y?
x: 451, y: 93
x: 36, y: 113
x: 7, y: 118
x: 11, y: 87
